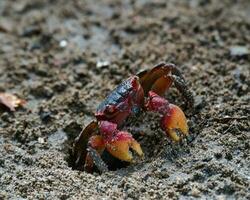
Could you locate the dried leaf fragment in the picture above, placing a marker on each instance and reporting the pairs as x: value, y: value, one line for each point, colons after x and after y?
x: 11, y: 101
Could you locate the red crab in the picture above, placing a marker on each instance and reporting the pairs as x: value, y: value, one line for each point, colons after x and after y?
x: 142, y: 92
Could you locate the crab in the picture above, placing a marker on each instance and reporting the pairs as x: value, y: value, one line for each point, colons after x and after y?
x: 138, y: 93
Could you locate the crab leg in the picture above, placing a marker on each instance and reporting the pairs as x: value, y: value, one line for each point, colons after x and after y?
x: 148, y: 78
x: 96, y: 159
x: 181, y: 85
x: 81, y: 144
x: 173, y: 118
x: 162, y: 84
x: 87, y: 150
x: 95, y: 148
x: 161, y: 77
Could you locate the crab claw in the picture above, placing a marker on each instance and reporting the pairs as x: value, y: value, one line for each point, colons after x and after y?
x: 119, y: 146
x: 175, y: 121
x: 118, y: 143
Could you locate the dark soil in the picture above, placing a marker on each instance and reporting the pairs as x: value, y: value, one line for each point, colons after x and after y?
x: 64, y: 57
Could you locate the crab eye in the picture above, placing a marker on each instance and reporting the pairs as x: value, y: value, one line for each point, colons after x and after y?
x: 110, y: 109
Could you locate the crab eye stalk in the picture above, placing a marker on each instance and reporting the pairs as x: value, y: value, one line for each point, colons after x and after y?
x: 110, y: 109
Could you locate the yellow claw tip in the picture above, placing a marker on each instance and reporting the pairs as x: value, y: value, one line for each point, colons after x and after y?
x: 120, y: 150
x: 119, y: 147
x: 137, y: 147
x: 175, y: 120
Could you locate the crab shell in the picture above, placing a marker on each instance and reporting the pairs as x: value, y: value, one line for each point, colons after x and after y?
x: 126, y: 99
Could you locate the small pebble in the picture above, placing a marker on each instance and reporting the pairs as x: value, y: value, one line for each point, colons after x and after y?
x: 195, y: 192
x: 239, y: 51
x: 41, y: 140
x: 102, y: 64
x: 63, y: 43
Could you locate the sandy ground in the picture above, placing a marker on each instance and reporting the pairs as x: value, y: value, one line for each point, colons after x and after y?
x: 64, y: 57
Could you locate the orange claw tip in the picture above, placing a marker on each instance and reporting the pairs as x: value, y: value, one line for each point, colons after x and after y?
x: 175, y: 120
x: 120, y: 144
